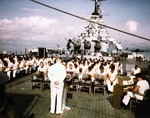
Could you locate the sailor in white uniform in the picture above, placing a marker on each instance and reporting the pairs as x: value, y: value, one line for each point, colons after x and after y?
x: 57, y: 74
x: 136, y: 91
x: 112, y: 78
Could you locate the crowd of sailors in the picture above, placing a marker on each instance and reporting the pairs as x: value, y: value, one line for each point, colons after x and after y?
x: 108, y: 70
x: 15, y: 66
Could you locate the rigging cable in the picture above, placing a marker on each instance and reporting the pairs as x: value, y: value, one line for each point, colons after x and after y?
x: 90, y: 21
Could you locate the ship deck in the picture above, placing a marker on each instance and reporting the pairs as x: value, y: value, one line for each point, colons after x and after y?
x: 23, y: 101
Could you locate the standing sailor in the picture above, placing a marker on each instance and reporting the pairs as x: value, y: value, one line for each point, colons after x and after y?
x: 57, y: 74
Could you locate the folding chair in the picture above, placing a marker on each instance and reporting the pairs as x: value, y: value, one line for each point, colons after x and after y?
x: 86, y: 83
x: 134, y: 102
x: 98, y: 84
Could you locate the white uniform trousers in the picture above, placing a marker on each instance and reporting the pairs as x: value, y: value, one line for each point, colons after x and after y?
x: 110, y: 86
x: 56, y: 95
x: 130, y: 95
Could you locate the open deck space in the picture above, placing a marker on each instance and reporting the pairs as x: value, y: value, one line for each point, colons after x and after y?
x: 23, y: 101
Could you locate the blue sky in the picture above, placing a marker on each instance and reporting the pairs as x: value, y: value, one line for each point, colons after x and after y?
x: 25, y: 24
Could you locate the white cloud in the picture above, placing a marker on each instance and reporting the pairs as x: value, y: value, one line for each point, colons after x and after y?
x: 32, y: 31
x: 28, y: 28
x: 32, y: 10
x: 34, y: 28
x: 132, y: 25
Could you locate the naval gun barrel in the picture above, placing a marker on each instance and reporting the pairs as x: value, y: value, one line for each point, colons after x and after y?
x: 76, y: 45
x: 97, y: 45
x: 87, y: 44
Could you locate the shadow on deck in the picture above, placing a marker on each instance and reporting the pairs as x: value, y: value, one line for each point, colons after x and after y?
x: 19, y: 105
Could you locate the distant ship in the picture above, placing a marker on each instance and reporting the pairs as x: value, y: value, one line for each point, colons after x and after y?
x: 95, y: 41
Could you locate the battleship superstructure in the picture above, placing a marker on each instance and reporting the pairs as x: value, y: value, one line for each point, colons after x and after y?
x: 95, y: 41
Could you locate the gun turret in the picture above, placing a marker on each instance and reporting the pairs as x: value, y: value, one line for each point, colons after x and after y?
x: 76, y: 45
x: 97, y: 45
x: 87, y: 44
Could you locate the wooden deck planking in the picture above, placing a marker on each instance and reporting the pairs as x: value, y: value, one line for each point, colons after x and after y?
x: 83, y: 104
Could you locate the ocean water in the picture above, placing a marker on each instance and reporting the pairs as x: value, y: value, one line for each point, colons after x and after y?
x: 144, y: 55
x: 128, y: 64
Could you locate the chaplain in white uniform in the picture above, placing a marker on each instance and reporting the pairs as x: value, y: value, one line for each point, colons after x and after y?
x: 57, y: 74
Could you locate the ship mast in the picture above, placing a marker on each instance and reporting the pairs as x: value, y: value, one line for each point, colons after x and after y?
x: 96, y: 10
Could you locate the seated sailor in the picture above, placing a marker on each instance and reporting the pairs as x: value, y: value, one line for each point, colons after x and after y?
x: 137, y: 91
